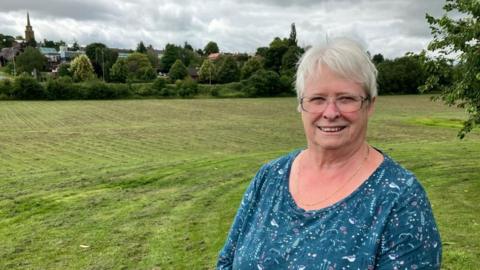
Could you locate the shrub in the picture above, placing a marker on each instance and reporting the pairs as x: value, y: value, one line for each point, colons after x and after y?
x: 61, y: 88
x: 187, y: 87
x: 26, y: 87
x: 159, y: 84
x: 102, y: 90
x: 5, y: 88
x: 263, y: 83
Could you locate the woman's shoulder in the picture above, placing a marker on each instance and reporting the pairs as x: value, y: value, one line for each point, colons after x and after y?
x: 275, y: 169
x: 391, y: 176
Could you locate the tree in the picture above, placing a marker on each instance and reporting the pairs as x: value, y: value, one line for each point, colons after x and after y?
x: 64, y: 70
x: 6, y: 41
x: 119, y: 71
x: 139, y: 67
x: 207, y: 72
x: 292, y: 40
x: 153, y: 57
x: 228, y: 70
x: 403, y: 75
x: 251, y: 66
x: 31, y: 59
x: 377, y: 59
x: 457, y: 35
x: 26, y: 87
x: 274, y: 54
x: 263, y: 83
x: 170, y: 55
x: 290, y: 59
x: 82, y: 68
x: 75, y: 46
x: 102, y: 59
x: 210, y: 48
x: 141, y: 48
x: 52, y: 44
x: 178, y: 71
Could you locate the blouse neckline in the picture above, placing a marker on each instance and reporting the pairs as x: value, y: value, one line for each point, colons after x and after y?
x: 293, y: 205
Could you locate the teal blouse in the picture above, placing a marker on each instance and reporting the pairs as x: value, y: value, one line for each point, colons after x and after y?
x: 386, y: 223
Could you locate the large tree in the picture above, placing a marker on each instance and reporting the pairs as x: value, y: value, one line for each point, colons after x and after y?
x: 207, y: 72
x: 102, y: 59
x: 211, y: 47
x: 178, y: 71
x: 457, y: 33
x: 119, y: 71
x: 141, y: 48
x: 31, y: 59
x: 228, y: 70
x: 6, y: 41
x: 171, y: 53
x: 139, y: 67
x: 81, y: 68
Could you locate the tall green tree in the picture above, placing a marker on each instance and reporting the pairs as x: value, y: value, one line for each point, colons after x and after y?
x: 31, y: 59
x: 82, y: 69
x: 292, y: 40
x: 228, y: 70
x: 207, y: 72
x: 102, y: 59
x: 211, y: 47
x: 251, y: 66
x: 119, y: 71
x: 274, y: 55
x: 139, y: 67
x: 178, y: 71
x: 141, y: 48
x: 170, y: 55
x: 403, y: 75
x: 458, y: 33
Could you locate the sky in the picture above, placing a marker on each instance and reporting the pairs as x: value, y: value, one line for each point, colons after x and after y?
x: 389, y: 27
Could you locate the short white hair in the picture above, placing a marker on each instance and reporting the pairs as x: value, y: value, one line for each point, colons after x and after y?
x: 345, y: 58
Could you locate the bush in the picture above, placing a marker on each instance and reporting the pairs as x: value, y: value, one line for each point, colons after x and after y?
x: 26, y: 87
x: 102, y: 90
x: 187, y: 87
x: 263, y: 84
x: 62, y: 88
x: 159, y: 84
x: 5, y: 88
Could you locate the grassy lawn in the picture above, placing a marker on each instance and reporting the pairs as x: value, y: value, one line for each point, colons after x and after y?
x: 154, y: 184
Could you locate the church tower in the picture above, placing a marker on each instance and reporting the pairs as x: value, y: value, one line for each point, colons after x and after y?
x: 29, y: 35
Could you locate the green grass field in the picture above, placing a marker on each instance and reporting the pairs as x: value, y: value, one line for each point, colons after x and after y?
x: 154, y: 184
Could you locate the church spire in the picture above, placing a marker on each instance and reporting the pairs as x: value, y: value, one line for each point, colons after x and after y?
x: 29, y: 34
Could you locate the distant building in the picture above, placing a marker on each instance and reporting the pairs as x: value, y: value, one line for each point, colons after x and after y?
x: 66, y: 55
x: 29, y: 34
x: 213, y: 56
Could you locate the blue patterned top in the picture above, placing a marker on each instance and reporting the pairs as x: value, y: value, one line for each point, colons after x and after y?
x: 386, y: 223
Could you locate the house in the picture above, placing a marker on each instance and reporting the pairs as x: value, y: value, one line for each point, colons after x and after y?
x: 66, y: 55
x: 7, y: 54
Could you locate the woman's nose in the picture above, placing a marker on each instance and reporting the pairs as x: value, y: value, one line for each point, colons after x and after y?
x: 331, y: 111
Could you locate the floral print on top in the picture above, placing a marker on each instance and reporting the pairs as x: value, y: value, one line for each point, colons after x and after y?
x: 387, y: 223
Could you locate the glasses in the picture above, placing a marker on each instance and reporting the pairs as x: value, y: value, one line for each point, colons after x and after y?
x: 344, y: 103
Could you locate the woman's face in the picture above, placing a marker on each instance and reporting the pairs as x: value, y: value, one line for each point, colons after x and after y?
x: 333, y: 129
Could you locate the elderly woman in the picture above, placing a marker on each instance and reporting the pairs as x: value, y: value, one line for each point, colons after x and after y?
x: 339, y: 203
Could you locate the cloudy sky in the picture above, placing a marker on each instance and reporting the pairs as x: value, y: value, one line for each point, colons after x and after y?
x: 390, y: 27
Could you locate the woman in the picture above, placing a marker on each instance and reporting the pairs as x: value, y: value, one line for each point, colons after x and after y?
x: 340, y: 203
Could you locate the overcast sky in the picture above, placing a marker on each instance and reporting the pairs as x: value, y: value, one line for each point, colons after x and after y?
x: 390, y: 27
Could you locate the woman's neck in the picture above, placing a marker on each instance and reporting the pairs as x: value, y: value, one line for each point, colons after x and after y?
x: 328, y: 159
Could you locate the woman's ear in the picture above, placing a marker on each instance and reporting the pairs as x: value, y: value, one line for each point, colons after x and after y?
x: 371, y: 106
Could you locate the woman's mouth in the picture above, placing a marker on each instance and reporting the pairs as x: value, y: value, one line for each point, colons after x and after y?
x: 331, y: 129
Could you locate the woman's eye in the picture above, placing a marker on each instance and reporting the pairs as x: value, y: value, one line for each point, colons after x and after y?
x: 346, y: 99
x: 318, y: 100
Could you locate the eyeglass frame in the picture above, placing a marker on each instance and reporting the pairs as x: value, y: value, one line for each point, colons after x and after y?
x: 362, y: 100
